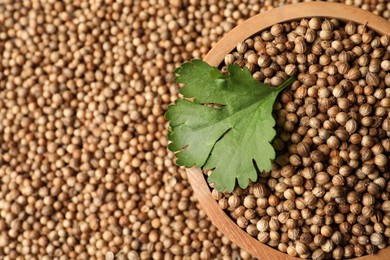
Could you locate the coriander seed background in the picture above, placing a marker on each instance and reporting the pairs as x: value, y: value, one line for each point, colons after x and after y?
x: 84, y: 85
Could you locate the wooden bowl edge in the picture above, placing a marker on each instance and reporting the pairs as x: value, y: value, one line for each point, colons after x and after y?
x: 293, y: 12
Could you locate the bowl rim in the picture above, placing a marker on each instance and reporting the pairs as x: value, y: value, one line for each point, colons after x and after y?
x: 216, y: 55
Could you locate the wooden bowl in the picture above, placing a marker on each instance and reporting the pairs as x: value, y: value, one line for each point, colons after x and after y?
x: 246, y: 29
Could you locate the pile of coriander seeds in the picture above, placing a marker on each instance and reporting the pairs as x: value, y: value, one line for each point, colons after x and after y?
x: 84, y: 168
x: 328, y: 193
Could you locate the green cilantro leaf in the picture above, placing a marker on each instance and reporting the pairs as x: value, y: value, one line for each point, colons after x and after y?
x: 232, y: 138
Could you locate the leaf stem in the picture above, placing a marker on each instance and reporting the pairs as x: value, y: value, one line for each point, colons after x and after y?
x: 287, y: 83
